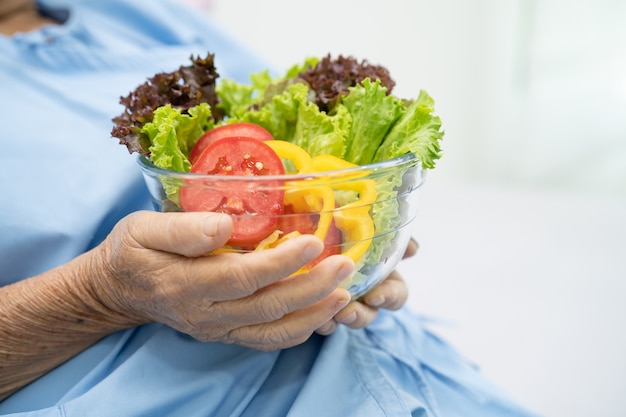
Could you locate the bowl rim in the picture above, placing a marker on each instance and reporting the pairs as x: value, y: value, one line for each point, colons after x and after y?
x: 148, y: 167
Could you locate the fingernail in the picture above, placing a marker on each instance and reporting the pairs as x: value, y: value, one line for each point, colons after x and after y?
x: 344, y: 272
x: 215, y: 225
x: 376, y: 301
x: 350, y: 318
x: 326, y: 327
x: 311, y: 251
x: 341, y: 303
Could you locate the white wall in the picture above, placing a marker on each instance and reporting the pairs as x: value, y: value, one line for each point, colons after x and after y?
x: 529, y: 91
x: 523, y: 223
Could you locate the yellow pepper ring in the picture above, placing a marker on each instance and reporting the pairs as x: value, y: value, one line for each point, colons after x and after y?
x: 324, y: 163
x: 353, y: 219
x: 321, y: 163
x: 318, y: 199
x: 302, y: 199
x: 356, y: 228
x: 288, y: 150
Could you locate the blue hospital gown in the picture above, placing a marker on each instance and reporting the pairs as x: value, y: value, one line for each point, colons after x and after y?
x: 65, y: 182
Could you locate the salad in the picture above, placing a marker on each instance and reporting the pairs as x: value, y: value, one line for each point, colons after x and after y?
x: 325, y: 114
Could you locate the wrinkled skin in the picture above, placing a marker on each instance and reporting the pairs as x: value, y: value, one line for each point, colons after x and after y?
x: 152, y: 268
x: 161, y: 274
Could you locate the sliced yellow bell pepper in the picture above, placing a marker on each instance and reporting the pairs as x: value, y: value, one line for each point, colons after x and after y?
x: 316, y: 199
x: 274, y: 240
x: 353, y: 219
x: 290, y: 151
x: 317, y: 195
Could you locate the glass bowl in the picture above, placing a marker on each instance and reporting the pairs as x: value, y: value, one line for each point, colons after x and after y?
x: 363, y: 212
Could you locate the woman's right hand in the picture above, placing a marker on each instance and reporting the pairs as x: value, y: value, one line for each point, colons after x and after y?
x: 157, y: 270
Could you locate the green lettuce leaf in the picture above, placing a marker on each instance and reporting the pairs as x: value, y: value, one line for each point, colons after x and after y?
x: 297, y: 69
x: 235, y: 98
x: 385, y: 215
x: 280, y: 114
x: 172, y: 135
x: 319, y: 133
x: 373, y: 112
x: 417, y: 131
x: 290, y: 116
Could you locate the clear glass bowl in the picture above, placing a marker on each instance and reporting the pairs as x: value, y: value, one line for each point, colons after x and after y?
x: 372, y: 206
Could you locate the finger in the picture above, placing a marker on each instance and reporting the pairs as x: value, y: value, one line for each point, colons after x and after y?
x: 356, y: 315
x: 287, y: 295
x: 231, y: 276
x: 327, y: 328
x: 391, y: 294
x: 189, y: 234
x: 411, y: 248
x: 294, y: 328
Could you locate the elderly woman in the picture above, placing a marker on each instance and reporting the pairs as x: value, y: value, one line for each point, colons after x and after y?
x: 109, y: 309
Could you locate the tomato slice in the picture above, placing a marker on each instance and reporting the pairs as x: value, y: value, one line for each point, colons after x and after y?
x: 253, y: 205
x: 306, y: 223
x: 244, y: 129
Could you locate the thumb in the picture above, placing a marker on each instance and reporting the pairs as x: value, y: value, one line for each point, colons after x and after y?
x: 189, y: 234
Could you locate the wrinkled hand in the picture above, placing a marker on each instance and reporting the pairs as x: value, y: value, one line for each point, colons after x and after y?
x: 157, y: 271
x: 390, y: 294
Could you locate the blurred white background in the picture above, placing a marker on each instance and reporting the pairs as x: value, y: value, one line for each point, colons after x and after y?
x: 523, y: 222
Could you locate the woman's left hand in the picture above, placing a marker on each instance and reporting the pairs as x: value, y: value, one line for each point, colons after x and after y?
x: 391, y: 294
